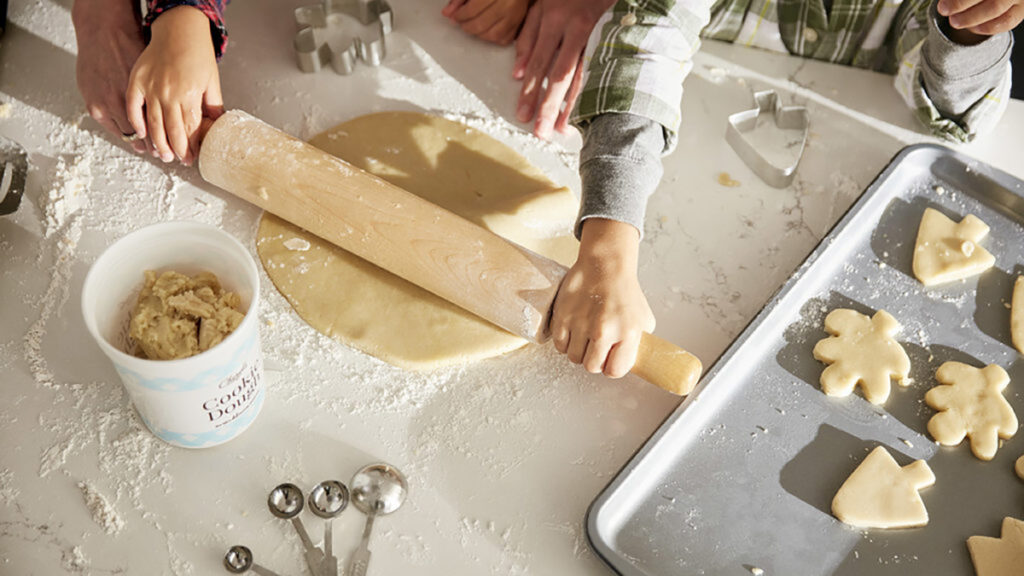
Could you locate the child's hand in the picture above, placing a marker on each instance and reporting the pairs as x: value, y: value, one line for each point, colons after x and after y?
x: 600, y: 312
x: 109, y: 43
x: 496, y: 21
x: 174, y: 84
x: 550, y: 47
x: 983, y: 17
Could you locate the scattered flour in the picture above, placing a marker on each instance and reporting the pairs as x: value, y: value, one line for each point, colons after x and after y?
x: 103, y: 513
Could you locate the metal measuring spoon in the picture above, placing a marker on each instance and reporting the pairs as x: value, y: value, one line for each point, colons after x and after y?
x: 285, y: 502
x: 377, y: 489
x: 238, y: 560
x: 328, y: 499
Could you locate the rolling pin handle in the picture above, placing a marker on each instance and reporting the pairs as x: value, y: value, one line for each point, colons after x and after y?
x: 667, y: 366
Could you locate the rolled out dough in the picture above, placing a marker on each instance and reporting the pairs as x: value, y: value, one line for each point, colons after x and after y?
x: 453, y: 166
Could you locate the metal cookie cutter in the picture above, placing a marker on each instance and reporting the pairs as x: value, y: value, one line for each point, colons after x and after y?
x: 786, y: 118
x: 312, y: 56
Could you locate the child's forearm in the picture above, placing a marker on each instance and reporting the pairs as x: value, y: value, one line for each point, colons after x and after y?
x: 213, y: 10
x: 620, y: 167
x: 187, y: 23
x: 959, y: 68
x: 615, y: 245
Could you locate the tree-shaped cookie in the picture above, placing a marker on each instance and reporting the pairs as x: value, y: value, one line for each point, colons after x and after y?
x: 881, y: 494
x: 947, y: 250
x: 999, y: 556
x: 971, y: 404
x: 861, y: 351
x: 1017, y: 315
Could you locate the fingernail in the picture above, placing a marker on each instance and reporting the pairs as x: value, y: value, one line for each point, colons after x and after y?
x: 167, y: 157
x: 954, y: 21
x: 523, y: 113
x: 943, y: 8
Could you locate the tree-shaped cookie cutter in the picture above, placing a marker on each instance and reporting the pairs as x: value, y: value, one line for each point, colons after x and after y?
x: 313, y: 55
x: 786, y: 118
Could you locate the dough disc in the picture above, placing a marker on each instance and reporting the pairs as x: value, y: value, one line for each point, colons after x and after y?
x: 453, y: 166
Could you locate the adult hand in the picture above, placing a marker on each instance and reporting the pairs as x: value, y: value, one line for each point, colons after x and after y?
x: 174, y: 84
x: 600, y: 312
x: 496, y: 21
x: 983, y: 17
x: 550, y: 48
x: 109, y: 42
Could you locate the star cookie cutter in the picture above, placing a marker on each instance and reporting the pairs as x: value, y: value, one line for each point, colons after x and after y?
x: 313, y: 55
x: 786, y: 118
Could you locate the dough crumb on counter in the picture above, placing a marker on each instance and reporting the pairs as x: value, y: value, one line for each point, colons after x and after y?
x: 178, y: 316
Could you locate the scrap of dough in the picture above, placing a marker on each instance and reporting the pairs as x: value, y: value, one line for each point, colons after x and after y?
x: 861, y: 351
x: 1019, y: 467
x: 448, y: 164
x: 947, y: 250
x: 971, y: 404
x: 1002, y: 556
x: 178, y: 316
x: 1017, y: 315
x: 881, y: 494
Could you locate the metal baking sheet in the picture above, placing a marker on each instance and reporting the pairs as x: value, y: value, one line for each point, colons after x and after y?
x: 741, y: 476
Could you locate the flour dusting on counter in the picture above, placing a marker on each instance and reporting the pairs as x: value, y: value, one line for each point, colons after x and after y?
x: 103, y: 513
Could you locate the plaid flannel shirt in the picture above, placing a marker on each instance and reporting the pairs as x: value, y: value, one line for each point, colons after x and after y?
x: 639, y: 68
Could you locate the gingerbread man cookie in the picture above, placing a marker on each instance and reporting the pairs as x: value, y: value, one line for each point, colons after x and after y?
x: 1002, y: 556
x: 971, y: 404
x: 861, y: 351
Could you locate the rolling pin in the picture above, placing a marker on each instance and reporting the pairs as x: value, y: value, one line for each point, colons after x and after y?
x: 406, y: 235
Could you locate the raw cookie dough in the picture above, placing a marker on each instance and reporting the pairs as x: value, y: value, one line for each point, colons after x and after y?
x: 881, y: 494
x: 947, y: 250
x: 449, y: 164
x: 178, y: 316
x: 1002, y: 556
x: 1019, y: 467
x: 1017, y: 315
x: 861, y: 351
x: 971, y: 404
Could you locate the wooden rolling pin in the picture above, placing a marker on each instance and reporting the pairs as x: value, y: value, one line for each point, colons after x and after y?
x: 406, y: 235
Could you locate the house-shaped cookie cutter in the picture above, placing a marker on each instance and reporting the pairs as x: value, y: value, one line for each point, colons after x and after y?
x: 786, y: 118
x: 313, y: 55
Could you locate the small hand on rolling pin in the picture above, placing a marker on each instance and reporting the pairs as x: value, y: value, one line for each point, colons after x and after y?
x: 153, y: 97
x: 600, y: 312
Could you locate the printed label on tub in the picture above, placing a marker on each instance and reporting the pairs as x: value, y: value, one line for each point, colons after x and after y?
x: 237, y: 392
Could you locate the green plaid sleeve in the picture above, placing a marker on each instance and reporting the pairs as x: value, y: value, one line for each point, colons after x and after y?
x: 638, y: 55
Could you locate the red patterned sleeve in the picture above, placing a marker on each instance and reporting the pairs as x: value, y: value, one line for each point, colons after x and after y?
x: 214, y: 10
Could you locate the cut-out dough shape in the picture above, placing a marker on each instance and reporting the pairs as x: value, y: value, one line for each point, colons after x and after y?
x: 971, y: 404
x: 881, y: 494
x: 861, y: 351
x: 1019, y: 467
x: 1003, y: 556
x: 1017, y: 315
x: 448, y: 164
x: 947, y: 250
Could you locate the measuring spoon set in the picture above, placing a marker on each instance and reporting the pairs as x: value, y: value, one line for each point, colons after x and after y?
x: 377, y: 490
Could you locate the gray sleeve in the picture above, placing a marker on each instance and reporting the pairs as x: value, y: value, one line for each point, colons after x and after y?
x: 620, y: 167
x: 957, y: 76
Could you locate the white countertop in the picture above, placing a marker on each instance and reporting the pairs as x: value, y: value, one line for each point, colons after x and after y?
x: 504, y: 456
